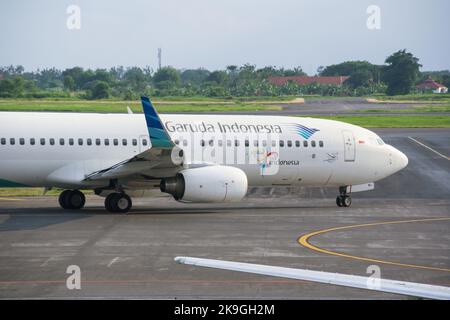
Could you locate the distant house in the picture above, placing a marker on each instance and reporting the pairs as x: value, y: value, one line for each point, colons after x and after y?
x: 304, y: 80
x: 430, y: 85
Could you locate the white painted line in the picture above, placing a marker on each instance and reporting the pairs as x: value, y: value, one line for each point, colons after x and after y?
x: 429, y: 148
x: 52, y: 258
x: 113, y: 261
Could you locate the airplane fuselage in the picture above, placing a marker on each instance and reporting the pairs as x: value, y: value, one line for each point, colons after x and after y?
x: 61, y: 149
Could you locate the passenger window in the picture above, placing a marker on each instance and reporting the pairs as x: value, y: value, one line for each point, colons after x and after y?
x: 98, y: 141
x: 211, y: 143
x: 274, y: 143
x: 124, y: 142
x: 202, y: 143
x: 71, y: 142
x: 89, y: 141
x: 281, y: 143
x: 42, y: 141
x: 12, y: 141
x: 289, y: 143
x: 22, y: 141
x: 313, y: 143
x: 185, y: 143
x: 177, y: 142
x: 134, y: 142
x: 297, y: 143
x: 255, y: 143
x: 80, y: 142
x: 219, y: 142
x: 144, y: 142
x: 52, y: 141
x: 106, y: 142
x: 321, y: 143
x: 32, y: 141
x: 3, y: 141
x: 116, y: 142
x: 61, y: 141
x: 236, y: 143
x: 305, y: 143
x: 264, y: 143
x: 247, y: 143
x: 228, y: 143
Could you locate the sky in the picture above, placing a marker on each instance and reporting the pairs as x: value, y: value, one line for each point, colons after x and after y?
x: 216, y: 33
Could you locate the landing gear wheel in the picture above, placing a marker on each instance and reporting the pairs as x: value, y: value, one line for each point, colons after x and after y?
x: 72, y: 199
x: 62, y: 198
x: 339, y: 201
x: 76, y: 200
x: 108, y: 202
x: 123, y: 203
x: 343, y: 199
x: 118, y: 202
x: 347, y: 201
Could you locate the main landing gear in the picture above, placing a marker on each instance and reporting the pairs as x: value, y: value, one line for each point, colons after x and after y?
x: 114, y: 202
x: 343, y: 199
x: 118, y: 202
x: 72, y: 199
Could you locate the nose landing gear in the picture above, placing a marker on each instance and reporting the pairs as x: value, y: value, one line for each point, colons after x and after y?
x: 343, y: 199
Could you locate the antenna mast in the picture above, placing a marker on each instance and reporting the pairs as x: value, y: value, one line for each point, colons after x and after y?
x: 159, y: 58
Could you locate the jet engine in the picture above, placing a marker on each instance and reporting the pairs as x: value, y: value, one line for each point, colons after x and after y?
x: 207, y: 184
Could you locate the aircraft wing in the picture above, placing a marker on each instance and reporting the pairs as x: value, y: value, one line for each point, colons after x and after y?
x: 163, y: 154
x: 383, y: 285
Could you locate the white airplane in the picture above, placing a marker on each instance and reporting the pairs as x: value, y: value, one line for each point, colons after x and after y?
x: 195, y: 158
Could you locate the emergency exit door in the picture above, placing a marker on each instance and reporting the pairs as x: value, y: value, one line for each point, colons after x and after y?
x: 349, y: 145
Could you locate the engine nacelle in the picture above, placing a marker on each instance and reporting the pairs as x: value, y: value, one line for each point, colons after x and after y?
x: 207, y: 184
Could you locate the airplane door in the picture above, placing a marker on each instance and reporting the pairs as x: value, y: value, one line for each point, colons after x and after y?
x: 144, y: 143
x: 349, y: 145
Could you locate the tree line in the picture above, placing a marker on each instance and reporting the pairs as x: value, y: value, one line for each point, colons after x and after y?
x: 398, y: 75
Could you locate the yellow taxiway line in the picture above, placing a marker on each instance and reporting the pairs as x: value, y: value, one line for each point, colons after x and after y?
x: 304, y: 241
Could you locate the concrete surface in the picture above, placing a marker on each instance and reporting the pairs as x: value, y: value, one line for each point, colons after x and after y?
x: 131, y: 256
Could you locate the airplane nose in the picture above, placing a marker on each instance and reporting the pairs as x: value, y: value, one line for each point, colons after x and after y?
x: 397, y: 160
x: 401, y: 160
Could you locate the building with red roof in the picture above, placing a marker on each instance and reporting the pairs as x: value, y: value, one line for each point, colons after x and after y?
x: 304, y: 80
x: 431, y: 85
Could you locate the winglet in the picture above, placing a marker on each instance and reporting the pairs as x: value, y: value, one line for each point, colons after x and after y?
x: 158, y: 134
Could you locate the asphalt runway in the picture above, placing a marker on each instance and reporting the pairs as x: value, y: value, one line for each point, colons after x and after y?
x: 406, y: 233
x: 354, y: 106
x: 341, y: 106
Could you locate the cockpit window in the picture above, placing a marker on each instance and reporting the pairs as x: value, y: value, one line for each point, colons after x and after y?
x: 380, y: 142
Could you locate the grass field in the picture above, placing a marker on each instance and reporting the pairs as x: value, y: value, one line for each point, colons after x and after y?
x: 15, y: 192
x: 32, y: 192
x: 401, y: 121
x: 107, y: 106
